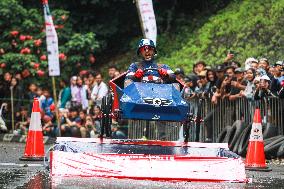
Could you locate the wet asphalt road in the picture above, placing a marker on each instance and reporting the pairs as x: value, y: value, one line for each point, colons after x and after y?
x: 20, y: 174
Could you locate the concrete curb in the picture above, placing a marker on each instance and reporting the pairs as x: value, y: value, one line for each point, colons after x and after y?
x: 23, y: 138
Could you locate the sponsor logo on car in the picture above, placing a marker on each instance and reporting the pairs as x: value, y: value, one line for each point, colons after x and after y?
x: 157, y: 101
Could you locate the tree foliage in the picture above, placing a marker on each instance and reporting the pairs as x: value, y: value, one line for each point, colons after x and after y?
x: 250, y: 28
x: 23, y: 42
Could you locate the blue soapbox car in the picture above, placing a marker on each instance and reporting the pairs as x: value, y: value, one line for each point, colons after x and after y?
x: 143, y: 101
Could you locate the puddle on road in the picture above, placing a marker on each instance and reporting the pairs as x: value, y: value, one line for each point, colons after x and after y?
x: 10, y: 178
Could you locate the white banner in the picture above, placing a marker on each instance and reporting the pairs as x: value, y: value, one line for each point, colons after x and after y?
x: 51, y: 41
x: 147, y: 15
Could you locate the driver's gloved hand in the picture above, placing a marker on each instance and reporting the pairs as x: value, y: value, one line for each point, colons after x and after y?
x: 139, y: 74
x: 163, y: 72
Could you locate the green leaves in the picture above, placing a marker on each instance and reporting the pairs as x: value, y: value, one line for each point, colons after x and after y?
x: 251, y: 28
x: 23, y: 42
x: 82, y: 43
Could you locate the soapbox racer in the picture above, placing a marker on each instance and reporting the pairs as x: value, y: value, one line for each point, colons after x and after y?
x: 144, y: 159
x: 150, y: 101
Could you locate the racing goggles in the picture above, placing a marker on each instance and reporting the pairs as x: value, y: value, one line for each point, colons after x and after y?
x: 145, y: 48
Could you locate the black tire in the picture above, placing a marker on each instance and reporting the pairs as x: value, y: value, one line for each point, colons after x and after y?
x: 222, y: 136
x: 272, y: 148
x: 236, y: 146
x: 243, y: 144
x: 270, y: 131
x: 280, y: 153
x: 106, y: 117
x: 271, y: 139
x: 235, y: 132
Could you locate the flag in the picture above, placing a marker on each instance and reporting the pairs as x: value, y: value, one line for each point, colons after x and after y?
x: 147, y: 18
x: 51, y: 41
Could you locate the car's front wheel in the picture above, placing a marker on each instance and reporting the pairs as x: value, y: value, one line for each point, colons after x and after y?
x: 106, y: 116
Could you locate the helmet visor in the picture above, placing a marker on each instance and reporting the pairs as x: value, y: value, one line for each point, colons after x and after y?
x: 146, y: 48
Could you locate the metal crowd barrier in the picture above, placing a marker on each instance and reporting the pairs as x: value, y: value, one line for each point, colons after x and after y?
x: 218, y: 116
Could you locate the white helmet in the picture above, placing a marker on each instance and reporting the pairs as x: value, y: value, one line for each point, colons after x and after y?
x: 249, y: 61
x: 265, y: 77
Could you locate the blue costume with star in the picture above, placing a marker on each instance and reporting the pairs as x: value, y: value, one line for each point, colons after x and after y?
x: 150, y: 75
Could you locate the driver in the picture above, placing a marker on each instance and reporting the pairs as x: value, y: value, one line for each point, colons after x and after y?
x: 138, y: 71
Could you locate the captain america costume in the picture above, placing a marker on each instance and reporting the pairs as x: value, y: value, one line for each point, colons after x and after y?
x: 149, y: 75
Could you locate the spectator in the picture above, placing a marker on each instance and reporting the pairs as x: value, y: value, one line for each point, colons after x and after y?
x: 235, y: 64
x: 5, y: 87
x: 201, y: 89
x: 179, y: 74
x: 80, y: 94
x: 226, y: 84
x: 188, y: 93
x: 89, y: 125
x: 112, y: 72
x: 48, y: 126
x: 46, y: 103
x: 224, y: 90
x: 264, y: 64
x: 188, y: 90
x: 263, y: 90
x: 82, y: 124
x: 277, y: 71
x: 73, y: 87
x: 97, y: 114
x: 220, y: 77
x: 251, y: 63
x: 238, y: 83
x: 71, y: 123
x: 211, y: 78
x: 17, y: 95
x: 64, y: 100
x: 99, y: 91
x: 21, y: 85
x: 92, y: 84
x: 274, y: 83
x: 40, y: 96
x: 32, y: 93
x: 117, y: 133
x: 199, y: 67
x: 22, y: 122
x: 249, y: 91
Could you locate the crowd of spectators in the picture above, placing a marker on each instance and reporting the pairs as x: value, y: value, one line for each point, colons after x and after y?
x: 79, y: 104
x: 80, y: 97
x: 256, y: 80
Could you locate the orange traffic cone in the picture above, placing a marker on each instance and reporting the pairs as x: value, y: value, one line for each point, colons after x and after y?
x: 255, y: 159
x: 34, y: 150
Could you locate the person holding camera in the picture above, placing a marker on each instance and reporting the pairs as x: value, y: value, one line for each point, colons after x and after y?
x: 238, y: 83
x: 226, y: 84
x: 263, y: 90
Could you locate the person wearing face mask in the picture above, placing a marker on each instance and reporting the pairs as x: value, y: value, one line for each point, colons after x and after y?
x: 141, y: 71
x: 263, y: 90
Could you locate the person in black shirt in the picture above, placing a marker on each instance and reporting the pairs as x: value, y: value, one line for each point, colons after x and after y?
x: 237, y: 84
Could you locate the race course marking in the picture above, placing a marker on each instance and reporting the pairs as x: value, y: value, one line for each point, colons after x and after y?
x: 21, y: 165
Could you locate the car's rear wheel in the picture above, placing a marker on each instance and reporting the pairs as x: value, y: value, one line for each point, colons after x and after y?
x: 186, y: 132
x: 106, y: 116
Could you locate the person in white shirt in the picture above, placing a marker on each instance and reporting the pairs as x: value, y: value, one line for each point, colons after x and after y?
x: 100, y: 90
